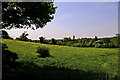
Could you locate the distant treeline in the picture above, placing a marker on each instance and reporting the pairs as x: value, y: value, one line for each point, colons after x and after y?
x: 112, y: 42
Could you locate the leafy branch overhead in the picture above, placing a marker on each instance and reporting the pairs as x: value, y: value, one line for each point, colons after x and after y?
x: 26, y: 14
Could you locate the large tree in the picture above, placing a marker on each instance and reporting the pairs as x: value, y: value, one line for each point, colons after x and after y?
x: 27, y: 14
x: 42, y: 39
x: 23, y: 37
x: 5, y: 35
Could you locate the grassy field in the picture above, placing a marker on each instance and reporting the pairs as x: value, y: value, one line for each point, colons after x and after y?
x: 64, y: 63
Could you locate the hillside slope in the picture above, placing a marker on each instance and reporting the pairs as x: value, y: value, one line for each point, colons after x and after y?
x: 64, y: 63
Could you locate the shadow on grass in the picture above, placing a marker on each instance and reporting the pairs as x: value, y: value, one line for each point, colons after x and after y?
x: 45, y: 57
x: 13, y: 70
x: 31, y: 71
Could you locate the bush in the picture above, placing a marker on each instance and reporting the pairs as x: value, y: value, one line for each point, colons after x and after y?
x: 69, y: 43
x: 82, y: 45
x: 76, y: 45
x: 90, y: 44
x: 98, y: 45
x: 53, y: 41
x: 42, y: 39
x: 43, y: 51
x: 112, y: 45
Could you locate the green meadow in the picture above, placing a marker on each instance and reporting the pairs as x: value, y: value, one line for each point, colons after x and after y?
x: 65, y: 62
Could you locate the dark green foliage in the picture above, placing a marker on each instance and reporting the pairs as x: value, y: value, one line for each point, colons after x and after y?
x: 42, y: 39
x: 70, y: 43
x: 76, y: 45
x: 65, y: 39
x: 59, y: 42
x: 112, y: 42
x: 117, y: 35
x: 73, y: 37
x: 85, y: 40
x: 4, y: 46
x: 69, y: 39
x: 31, y: 71
x: 8, y: 61
x: 90, y: 44
x: 18, y: 14
x: 23, y: 37
x: 105, y: 40
x: 96, y: 38
x: 82, y: 45
x: 98, y: 45
x: 30, y: 40
x: 112, y: 45
x: 115, y: 41
x: 53, y: 41
x: 5, y: 35
x: 105, y: 45
x: 36, y: 41
x: 79, y: 40
x: 43, y: 51
x: 8, y: 57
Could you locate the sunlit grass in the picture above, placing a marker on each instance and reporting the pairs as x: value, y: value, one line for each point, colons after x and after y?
x: 74, y: 58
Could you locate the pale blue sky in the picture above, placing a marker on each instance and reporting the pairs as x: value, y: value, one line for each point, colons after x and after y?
x: 82, y: 19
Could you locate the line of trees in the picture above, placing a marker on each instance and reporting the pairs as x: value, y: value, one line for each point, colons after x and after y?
x: 112, y: 42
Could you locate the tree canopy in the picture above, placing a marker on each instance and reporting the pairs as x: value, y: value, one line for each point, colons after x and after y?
x: 23, y: 36
x: 27, y: 14
x: 42, y: 39
x: 5, y: 35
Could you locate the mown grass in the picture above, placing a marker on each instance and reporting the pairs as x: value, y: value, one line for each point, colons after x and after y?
x: 64, y: 63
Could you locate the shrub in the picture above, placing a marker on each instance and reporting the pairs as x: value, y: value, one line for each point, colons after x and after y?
x: 82, y: 45
x: 111, y: 45
x: 42, y: 39
x: 90, y: 44
x: 65, y: 39
x: 98, y: 45
x: 23, y: 37
x: 43, y: 51
x: 53, y: 41
x: 59, y: 42
x: 69, y: 43
x: 76, y: 45
x: 104, y: 45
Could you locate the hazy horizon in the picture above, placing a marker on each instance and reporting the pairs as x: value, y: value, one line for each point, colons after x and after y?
x: 82, y: 19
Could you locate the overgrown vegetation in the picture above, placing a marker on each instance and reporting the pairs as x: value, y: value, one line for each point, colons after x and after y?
x: 43, y: 51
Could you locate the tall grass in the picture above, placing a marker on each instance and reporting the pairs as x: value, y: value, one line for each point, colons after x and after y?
x: 65, y: 62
